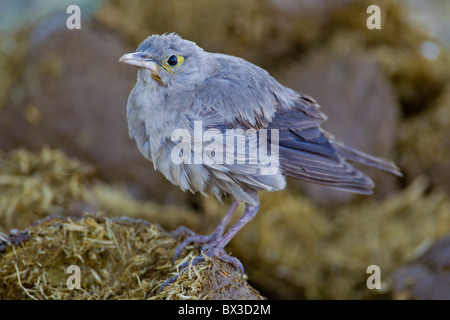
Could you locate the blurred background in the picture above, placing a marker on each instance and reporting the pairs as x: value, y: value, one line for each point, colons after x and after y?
x: 64, y: 145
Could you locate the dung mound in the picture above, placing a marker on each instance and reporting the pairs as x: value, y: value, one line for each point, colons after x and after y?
x: 96, y: 257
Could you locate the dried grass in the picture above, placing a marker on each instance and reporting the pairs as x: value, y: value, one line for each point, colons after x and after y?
x: 119, y: 258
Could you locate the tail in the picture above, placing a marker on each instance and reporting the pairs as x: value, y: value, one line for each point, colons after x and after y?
x: 363, y: 158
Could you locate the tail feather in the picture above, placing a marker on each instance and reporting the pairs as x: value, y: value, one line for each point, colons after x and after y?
x: 330, y: 171
x: 363, y: 158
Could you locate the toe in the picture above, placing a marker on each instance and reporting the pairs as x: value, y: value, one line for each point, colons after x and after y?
x: 219, y: 253
x: 168, y: 282
x: 207, y: 241
x: 180, y: 248
x: 182, y: 231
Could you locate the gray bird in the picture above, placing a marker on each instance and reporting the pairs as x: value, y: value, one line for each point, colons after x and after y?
x: 179, y: 85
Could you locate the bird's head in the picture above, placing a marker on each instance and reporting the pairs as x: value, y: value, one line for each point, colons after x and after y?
x: 168, y: 60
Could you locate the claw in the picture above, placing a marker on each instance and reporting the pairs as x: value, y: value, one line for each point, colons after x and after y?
x: 169, y: 281
x: 235, y: 263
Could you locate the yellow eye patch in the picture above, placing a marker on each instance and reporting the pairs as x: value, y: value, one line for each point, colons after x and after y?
x: 172, y: 62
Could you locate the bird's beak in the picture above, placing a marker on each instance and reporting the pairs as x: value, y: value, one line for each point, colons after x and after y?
x: 140, y: 59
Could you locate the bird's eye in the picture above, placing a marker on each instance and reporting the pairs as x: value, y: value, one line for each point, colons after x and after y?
x: 172, y: 61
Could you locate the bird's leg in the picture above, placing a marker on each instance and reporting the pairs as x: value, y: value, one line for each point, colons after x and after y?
x: 217, y: 250
x: 209, y: 239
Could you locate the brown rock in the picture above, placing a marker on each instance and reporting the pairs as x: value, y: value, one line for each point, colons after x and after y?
x: 75, y: 95
x: 427, y: 277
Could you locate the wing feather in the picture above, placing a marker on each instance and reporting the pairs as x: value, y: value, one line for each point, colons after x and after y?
x: 242, y: 95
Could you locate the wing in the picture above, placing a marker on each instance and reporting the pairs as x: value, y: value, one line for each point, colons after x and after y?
x: 308, y: 153
x: 242, y: 95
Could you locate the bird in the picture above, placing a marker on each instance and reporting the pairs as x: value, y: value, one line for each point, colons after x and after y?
x: 180, y: 88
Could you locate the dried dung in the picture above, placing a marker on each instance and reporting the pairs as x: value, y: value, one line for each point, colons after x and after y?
x: 118, y: 258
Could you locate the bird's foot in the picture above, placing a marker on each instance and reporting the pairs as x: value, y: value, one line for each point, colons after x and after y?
x: 212, y: 252
x: 206, y: 241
